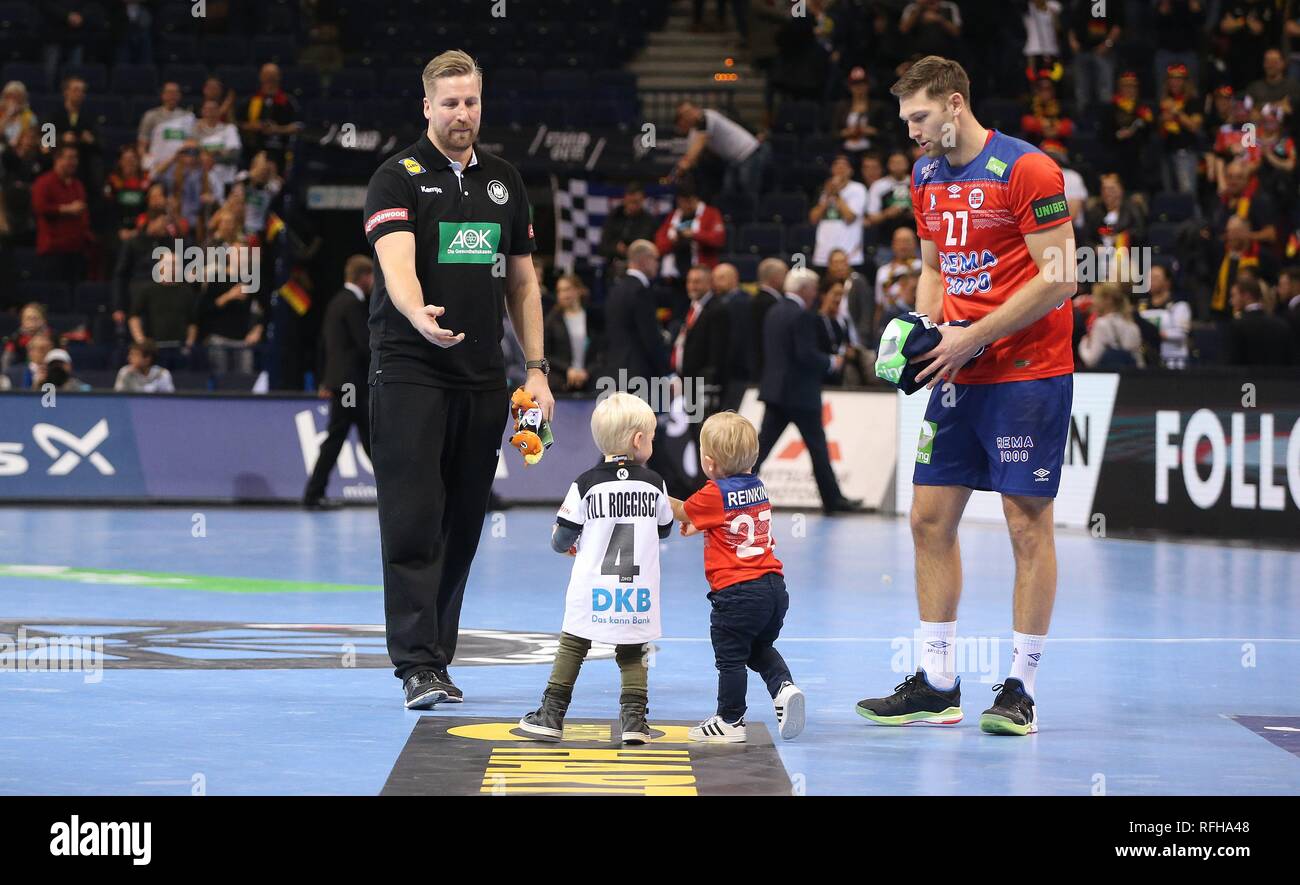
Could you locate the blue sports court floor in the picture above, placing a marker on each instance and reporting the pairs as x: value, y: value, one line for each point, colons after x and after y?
x: 1171, y: 667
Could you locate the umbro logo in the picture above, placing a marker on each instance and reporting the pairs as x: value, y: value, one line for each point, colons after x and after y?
x: 1034, y: 657
x: 430, y: 190
x: 954, y: 190
x: 1042, y: 473
x: 938, y: 644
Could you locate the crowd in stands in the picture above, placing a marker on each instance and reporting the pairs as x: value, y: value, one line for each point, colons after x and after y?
x: 1174, y: 123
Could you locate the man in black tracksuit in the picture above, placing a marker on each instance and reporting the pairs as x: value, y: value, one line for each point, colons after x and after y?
x: 450, y: 228
x: 344, y: 380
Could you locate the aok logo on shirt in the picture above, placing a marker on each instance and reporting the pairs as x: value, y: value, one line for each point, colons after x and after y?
x: 468, y: 243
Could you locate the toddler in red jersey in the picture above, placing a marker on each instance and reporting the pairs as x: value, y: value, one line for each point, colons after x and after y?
x: 746, y: 584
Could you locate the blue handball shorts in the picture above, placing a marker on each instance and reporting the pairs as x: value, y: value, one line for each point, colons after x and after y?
x: 1007, y: 438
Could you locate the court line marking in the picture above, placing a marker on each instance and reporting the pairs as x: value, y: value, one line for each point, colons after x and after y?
x: 1053, y: 639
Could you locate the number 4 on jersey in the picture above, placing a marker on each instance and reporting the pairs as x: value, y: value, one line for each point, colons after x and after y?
x: 620, y: 555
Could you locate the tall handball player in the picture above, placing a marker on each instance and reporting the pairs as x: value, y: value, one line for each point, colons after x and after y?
x: 996, y: 239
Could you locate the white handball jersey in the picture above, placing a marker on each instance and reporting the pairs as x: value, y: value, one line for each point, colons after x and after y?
x: 622, y: 510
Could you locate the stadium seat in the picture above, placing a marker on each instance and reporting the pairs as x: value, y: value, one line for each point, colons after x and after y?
x: 798, y: 117
x: 64, y: 323
x: 134, y: 79
x: 783, y: 208
x: 241, y: 78
x: 330, y: 110
x: 24, y: 262
x: 190, y: 77
x: 565, y: 84
x: 175, y: 18
x: 191, y: 380
x: 234, y: 382
x: 55, y: 296
x: 1162, y: 237
x: 1001, y: 113
x: 761, y: 239
x: 30, y: 75
x: 820, y: 149
x: 225, y: 49
x: 746, y: 265
x: 87, y: 357
x: 403, y: 83
x: 736, y: 209
x: 104, y: 110
x: 19, y: 18
x: 352, y: 83
x: 801, y: 238
x: 89, y: 297
x: 176, y: 49
x: 1173, y: 206
x: 302, y: 83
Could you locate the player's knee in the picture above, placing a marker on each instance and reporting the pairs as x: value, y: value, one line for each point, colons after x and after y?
x: 932, y: 525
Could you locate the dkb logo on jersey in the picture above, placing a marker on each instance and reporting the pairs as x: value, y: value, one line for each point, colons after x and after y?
x: 468, y: 243
x: 620, y: 599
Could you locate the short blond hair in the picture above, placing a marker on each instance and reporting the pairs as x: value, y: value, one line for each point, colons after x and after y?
x: 617, y: 419
x: 731, y: 441
x: 452, y: 63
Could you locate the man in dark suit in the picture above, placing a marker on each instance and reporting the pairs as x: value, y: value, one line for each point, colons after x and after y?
x: 628, y: 222
x: 744, y: 343
x: 1257, y: 337
x: 634, y: 343
x: 702, y: 347
x: 791, y: 386
x: 771, y: 277
x: 347, y: 363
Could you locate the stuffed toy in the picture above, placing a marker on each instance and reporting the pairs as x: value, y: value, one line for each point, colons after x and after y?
x: 532, y: 435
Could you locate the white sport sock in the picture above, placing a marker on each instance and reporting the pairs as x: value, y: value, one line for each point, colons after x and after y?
x: 1025, y: 652
x: 938, y: 660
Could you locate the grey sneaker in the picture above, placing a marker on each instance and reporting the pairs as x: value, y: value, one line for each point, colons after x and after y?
x: 632, y: 721
x: 547, y: 722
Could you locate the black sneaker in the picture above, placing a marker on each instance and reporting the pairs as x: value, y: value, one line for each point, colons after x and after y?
x: 1013, y: 711
x: 547, y: 722
x: 424, y: 690
x: 632, y: 722
x: 914, y: 702
x: 454, y: 694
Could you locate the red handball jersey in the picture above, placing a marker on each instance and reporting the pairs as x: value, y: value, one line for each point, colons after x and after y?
x: 977, y: 216
x: 736, y: 519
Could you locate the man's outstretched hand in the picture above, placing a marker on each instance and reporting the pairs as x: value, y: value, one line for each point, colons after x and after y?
x: 426, y: 323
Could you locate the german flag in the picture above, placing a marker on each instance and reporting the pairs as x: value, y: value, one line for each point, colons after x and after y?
x: 274, y: 227
x: 297, y: 297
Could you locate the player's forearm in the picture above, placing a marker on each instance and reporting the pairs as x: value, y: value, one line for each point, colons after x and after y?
x: 679, y: 509
x: 563, y: 538
x: 929, y: 294
x: 1030, y: 303
x: 524, y: 304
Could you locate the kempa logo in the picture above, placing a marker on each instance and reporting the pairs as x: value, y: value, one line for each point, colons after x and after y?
x: 468, y: 243
x: 66, y: 449
x: 215, y: 264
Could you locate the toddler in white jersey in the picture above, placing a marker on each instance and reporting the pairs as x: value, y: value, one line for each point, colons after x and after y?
x: 612, y: 520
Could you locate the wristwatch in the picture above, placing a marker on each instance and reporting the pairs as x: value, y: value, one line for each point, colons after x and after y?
x: 544, y: 364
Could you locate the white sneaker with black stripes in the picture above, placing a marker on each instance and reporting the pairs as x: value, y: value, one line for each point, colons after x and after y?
x: 715, y: 730
x: 789, y: 704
